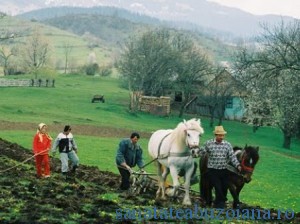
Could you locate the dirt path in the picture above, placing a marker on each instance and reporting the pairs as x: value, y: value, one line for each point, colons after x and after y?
x: 89, y: 130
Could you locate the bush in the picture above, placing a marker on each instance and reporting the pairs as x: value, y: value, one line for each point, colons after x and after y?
x: 105, y: 71
x: 91, y: 69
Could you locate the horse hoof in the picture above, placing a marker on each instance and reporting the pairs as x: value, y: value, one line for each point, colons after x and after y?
x: 164, y: 198
x: 187, y: 203
x: 236, y: 206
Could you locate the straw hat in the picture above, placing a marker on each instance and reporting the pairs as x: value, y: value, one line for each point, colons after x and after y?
x: 219, y: 130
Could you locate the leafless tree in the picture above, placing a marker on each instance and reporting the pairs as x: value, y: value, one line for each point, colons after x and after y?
x: 162, y: 60
x: 5, y: 54
x: 192, y: 70
x: 36, y: 52
x: 67, y: 51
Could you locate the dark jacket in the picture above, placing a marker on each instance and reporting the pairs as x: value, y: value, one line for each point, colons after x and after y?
x: 129, y: 153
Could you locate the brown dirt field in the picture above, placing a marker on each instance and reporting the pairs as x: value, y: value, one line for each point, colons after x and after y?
x: 89, y: 130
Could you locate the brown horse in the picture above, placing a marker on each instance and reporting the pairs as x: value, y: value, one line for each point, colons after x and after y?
x: 248, y: 157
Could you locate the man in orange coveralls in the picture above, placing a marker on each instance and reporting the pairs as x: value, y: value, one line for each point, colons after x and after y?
x: 41, y: 147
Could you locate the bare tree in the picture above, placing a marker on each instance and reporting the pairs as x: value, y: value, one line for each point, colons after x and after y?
x: 147, y: 62
x: 271, y: 72
x: 216, y: 94
x: 192, y: 70
x: 36, y: 52
x: 5, y: 54
x: 162, y: 60
x: 67, y: 51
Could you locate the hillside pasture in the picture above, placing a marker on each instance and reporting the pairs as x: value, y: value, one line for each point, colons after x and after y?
x: 80, y: 46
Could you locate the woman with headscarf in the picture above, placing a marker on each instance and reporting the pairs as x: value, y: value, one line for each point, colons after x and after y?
x: 41, y: 146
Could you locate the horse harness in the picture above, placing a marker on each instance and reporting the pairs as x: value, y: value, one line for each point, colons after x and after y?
x: 245, y: 168
x: 170, y: 154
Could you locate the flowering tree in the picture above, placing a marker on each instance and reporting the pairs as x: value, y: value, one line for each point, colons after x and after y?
x: 272, y: 73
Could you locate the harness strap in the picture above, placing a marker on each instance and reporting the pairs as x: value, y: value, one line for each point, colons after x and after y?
x: 163, y: 156
x: 159, y: 146
x: 246, y: 168
x: 179, y: 154
x: 233, y: 169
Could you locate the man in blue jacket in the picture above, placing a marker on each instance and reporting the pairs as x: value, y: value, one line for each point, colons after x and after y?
x: 129, y: 154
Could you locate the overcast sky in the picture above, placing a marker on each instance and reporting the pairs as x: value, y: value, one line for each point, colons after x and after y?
x: 262, y: 7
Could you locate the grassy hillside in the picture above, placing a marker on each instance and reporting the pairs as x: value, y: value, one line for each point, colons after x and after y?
x: 113, y: 30
x: 276, y: 178
x: 90, y: 32
x: 81, y: 46
x: 109, y: 29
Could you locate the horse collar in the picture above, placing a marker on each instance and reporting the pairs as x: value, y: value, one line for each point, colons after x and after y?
x: 179, y: 154
x: 244, y: 167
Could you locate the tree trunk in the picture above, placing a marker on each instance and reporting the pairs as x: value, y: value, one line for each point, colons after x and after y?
x: 211, y: 121
x: 220, y: 121
x: 181, y: 112
x: 183, y: 107
x: 212, y: 116
x: 286, y: 140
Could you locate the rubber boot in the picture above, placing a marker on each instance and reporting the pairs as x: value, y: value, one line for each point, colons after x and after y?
x: 73, y: 170
x: 65, y: 175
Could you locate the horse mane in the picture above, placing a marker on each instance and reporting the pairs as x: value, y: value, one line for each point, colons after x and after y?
x: 252, y: 151
x: 179, y: 132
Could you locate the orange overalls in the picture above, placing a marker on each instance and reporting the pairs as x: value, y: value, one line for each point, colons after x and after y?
x: 41, y: 147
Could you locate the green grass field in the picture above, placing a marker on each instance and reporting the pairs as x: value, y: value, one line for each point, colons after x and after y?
x: 57, y: 39
x: 276, y: 178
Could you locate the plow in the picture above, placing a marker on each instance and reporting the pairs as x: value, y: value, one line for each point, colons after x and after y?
x: 142, y: 182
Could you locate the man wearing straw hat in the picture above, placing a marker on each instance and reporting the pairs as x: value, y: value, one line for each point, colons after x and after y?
x: 220, y: 152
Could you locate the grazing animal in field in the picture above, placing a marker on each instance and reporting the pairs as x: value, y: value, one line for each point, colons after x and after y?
x: 248, y: 158
x: 174, y: 150
x: 99, y: 98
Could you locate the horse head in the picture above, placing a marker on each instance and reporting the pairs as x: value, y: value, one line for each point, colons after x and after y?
x: 248, y: 159
x: 193, y: 131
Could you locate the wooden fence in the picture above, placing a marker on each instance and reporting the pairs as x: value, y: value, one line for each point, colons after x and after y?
x: 27, y: 82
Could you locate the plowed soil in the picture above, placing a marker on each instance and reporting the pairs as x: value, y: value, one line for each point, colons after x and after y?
x: 89, y: 196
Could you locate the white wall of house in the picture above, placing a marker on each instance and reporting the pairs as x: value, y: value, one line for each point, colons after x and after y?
x: 235, y: 109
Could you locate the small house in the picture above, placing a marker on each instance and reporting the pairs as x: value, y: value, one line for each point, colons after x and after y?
x: 223, y: 97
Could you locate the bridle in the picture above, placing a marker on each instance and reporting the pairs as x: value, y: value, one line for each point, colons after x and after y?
x: 188, y: 146
x: 245, y: 168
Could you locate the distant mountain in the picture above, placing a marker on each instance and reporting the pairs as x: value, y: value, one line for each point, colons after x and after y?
x: 112, y: 26
x: 56, y: 12
x: 110, y: 30
x: 199, y: 12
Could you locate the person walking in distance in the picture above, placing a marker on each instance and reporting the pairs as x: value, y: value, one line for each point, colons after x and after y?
x: 41, y: 146
x: 68, y: 151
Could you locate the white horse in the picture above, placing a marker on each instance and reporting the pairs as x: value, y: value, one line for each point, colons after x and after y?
x: 174, y: 150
